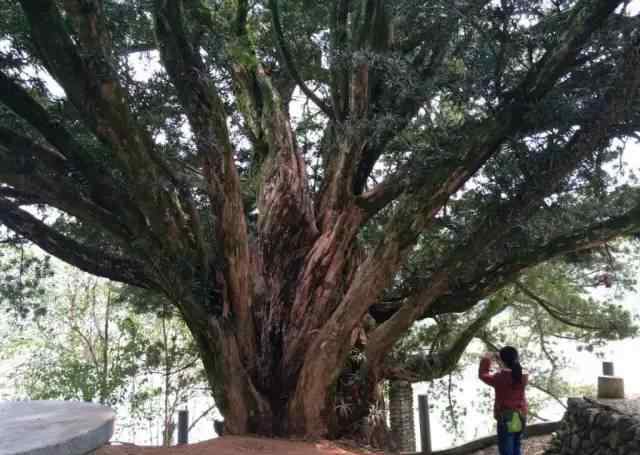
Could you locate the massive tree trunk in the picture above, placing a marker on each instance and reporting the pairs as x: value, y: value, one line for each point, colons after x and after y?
x: 265, y: 393
x: 280, y: 306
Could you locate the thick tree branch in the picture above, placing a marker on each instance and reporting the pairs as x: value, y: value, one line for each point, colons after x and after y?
x: 89, y: 22
x: 283, y: 173
x: 91, y: 84
x: 87, y: 259
x: 351, y: 139
x: 493, y: 308
x: 249, y: 79
x: 284, y: 200
x: 553, y: 311
x: 207, y: 117
x: 485, y: 282
x: 205, y: 112
x: 89, y: 81
x: 92, y: 175
x: 27, y: 150
x: 592, y: 136
x: 423, y: 367
x: 339, y: 75
x: 242, y: 12
x: 485, y: 137
x: 36, y: 170
x: 586, y: 17
x: 16, y: 98
x: 21, y: 197
x: 382, y: 338
x: 438, y: 43
x: 196, y: 90
x: 290, y: 64
x: 615, y: 108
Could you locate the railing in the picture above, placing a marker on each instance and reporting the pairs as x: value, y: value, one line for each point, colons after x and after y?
x: 538, y: 429
x: 609, y: 386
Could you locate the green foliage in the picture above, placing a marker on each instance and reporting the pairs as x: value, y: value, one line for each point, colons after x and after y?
x: 91, y: 346
x: 87, y: 347
x: 24, y: 277
x: 557, y: 314
x: 569, y: 310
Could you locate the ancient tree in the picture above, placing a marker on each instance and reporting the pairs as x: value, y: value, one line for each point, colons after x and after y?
x: 305, y: 180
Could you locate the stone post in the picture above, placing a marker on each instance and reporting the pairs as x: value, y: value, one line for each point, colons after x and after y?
x: 609, y: 386
x: 401, y: 415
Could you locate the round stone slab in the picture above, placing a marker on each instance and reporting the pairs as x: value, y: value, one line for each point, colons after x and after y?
x: 53, y: 427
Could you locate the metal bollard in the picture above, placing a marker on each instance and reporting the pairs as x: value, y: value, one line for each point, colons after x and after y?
x: 425, y: 427
x: 183, y: 427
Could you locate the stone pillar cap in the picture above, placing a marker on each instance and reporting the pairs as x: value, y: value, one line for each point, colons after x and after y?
x: 53, y: 427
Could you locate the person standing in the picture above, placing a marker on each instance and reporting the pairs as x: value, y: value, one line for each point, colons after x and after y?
x: 510, y: 408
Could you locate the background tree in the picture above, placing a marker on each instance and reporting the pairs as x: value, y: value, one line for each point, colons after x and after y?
x: 545, y: 306
x: 468, y: 141
x: 24, y: 278
x: 548, y: 314
x: 90, y: 343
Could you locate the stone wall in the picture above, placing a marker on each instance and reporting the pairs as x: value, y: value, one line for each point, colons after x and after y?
x: 605, y: 427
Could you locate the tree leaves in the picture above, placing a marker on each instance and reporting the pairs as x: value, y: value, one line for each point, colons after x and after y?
x: 91, y: 346
x: 24, y: 277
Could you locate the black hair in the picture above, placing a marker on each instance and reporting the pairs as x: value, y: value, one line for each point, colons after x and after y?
x: 509, y: 355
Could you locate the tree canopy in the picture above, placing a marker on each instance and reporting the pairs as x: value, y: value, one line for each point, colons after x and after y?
x: 305, y: 179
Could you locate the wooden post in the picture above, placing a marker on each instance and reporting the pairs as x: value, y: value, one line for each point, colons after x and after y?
x: 607, y: 369
x: 183, y: 427
x: 425, y: 427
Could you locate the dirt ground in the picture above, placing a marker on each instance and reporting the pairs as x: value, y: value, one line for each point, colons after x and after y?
x: 235, y: 445
x: 531, y: 446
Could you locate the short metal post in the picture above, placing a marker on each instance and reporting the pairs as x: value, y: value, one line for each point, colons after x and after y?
x: 425, y: 427
x: 183, y: 427
x: 607, y: 369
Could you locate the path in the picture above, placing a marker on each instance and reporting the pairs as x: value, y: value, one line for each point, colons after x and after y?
x: 235, y: 445
x: 531, y: 446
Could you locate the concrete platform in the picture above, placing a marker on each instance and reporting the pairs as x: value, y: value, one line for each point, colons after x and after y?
x: 53, y: 427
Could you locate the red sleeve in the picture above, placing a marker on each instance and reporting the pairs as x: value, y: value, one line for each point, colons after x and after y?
x: 484, y: 374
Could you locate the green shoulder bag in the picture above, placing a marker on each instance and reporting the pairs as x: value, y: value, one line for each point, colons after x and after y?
x: 513, y: 421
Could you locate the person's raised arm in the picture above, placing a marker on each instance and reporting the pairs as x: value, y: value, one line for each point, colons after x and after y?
x: 484, y: 372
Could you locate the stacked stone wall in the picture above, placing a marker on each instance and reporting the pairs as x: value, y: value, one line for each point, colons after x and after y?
x: 595, y: 428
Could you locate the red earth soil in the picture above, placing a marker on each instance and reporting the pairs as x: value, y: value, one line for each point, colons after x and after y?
x: 236, y: 445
